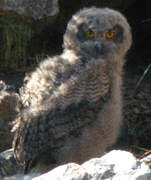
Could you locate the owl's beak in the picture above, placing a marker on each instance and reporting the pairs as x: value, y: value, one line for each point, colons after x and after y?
x: 98, y: 44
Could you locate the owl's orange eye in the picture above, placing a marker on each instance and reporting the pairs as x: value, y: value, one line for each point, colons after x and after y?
x: 90, y: 34
x: 109, y: 35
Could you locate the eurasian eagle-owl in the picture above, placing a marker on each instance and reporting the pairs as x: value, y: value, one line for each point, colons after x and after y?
x: 72, y: 103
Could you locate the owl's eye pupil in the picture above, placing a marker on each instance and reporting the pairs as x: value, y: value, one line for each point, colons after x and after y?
x: 110, y: 35
x: 90, y: 34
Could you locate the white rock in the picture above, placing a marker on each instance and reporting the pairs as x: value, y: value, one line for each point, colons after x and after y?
x: 115, y: 165
x: 37, y: 10
x: 65, y: 172
x: 21, y: 177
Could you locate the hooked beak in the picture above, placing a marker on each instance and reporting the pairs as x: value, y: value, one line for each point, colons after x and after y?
x: 97, y: 44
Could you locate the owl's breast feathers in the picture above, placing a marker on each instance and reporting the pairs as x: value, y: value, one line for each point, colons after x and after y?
x: 69, y: 105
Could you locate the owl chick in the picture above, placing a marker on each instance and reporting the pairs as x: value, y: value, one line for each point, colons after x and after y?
x: 72, y: 103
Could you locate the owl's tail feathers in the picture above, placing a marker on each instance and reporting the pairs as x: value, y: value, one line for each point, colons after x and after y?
x: 19, y: 150
x: 32, y: 138
x: 23, y: 141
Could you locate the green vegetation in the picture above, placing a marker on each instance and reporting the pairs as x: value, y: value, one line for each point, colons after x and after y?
x: 17, y: 49
x: 14, y: 41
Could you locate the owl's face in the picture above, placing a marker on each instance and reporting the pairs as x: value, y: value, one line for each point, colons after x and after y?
x: 98, y: 33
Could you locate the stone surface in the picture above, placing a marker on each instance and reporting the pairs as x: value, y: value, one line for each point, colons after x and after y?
x: 8, y: 165
x: 71, y: 171
x: 147, y: 159
x: 36, y: 9
x: 21, y: 177
x: 115, y: 165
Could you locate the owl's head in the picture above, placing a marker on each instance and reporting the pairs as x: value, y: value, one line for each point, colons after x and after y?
x: 98, y: 32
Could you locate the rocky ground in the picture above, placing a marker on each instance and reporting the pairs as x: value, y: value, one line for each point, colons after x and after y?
x: 109, y: 166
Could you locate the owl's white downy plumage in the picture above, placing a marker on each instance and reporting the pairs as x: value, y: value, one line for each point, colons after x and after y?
x: 72, y: 103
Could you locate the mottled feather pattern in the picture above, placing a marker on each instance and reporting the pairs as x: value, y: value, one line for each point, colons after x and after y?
x: 53, y: 127
x: 70, y: 92
x: 72, y: 103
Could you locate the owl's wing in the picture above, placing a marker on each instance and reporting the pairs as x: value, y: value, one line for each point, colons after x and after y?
x: 74, y: 103
x: 48, y: 132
